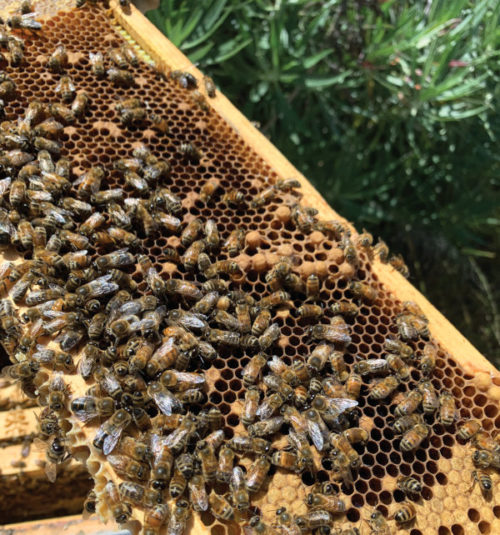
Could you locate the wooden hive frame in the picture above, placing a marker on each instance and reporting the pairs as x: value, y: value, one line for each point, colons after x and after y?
x: 17, y: 419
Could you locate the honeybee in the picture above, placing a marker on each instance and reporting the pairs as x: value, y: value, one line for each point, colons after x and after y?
x: 372, y: 367
x: 177, y: 484
x: 62, y: 113
x: 400, y: 348
x: 284, y: 371
x: 381, y: 250
x: 58, y: 60
x: 79, y: 105
x: 409, y: 485
x: 130, y: 55
x: 341, y: 443
x: 163, y: 461
x: 225, y: 464
x: 350, y: 253
x: 128, y: 467
x: 405, y: 513
x: 447, y: 411
x: 383, y: 388
x: 266, y: 427
x: 428, y: 359
x: 363, y: 291
x: 286, y: 460
x: 24, y: 21
x: 136, y: 449
x: 275, y: 299
x: 269, y: 336
x: 178, y: 519
x: 117, y: 56
x: 165, y: 400
x: 398, y: 263
x: 97, y: 64
x: 56, y: 393
x: 316, y: 428
x: 310, y: 312
x: 191, y: 152
x: 303, y: 217
x: 285, y: 522
x: 55, y: 452
x: 261, y: 322
x: 404, y: 423
x: 109, y: 432
x: 220, y: 507
x: 208, y: 189
x: 409, y: 404
x: 247, y: 444
x: 16, y: 50
x: 319, y: 357
x: 121, y: 511
x: 257, y: 473
x: 191, y: 232
x: 414, y: 437
x: 378, y: 523
x: 484, y: 459
x: 227, y: 267
x: 238, y: 487
x: 484, y: 480
x: 209, y: 86
x: 66, y: 89
x: 233, y: 198
x: 410, y: 326
x: 397, y: 365
x: 120, y: 77
x: 50, y: 128
x: 198, y: 493
x: 353, y: 385
x: 89, y: 505
x: 59, y: 359
x: 317, y: 519
x: 329, y: 503
x: 185, y: 79
x: 257, y: 527
x: 430, y: 400
x: 482, y: 441
x: 336, y: 331
x: 48, y: 423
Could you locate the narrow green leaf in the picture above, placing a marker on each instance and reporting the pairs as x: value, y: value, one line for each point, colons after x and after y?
x: 311, y: 61
x: 320, y: 82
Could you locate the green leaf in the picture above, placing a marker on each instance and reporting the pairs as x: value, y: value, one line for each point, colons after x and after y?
x: 320, y: 82
x: 311, y: 61
x: 230, y: 49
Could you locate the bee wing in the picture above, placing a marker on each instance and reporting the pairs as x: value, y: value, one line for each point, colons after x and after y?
x: 196, y: 380
x: 5, y: 185
x: 53, y: 313
x: 276, y: 364
x: 51, y: 471
x: 111, y: 440
x: 104, y: 288
x: 265, y: 410
x: 40, y: 445
x: 29, y: 22
x: 340, y: 333
x: 57, y: 382
x: 43, y: 354
x: 166, y: 401
x: 316, y: 434
x: 343, y: 404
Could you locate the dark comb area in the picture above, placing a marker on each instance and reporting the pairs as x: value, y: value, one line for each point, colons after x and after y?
x: 286, y: 249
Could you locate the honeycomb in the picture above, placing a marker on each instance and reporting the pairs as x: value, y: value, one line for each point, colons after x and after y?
x: 442, y: 464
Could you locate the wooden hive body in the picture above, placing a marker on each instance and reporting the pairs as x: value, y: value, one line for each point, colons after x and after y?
x: 236, y: 154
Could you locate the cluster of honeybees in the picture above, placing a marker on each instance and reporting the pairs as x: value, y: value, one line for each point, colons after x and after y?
x: 143, y: 354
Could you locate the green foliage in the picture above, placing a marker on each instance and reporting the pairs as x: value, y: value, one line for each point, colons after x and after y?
x: 390, y: 108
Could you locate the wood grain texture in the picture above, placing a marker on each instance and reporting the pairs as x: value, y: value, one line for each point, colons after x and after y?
x: 168, y: 57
